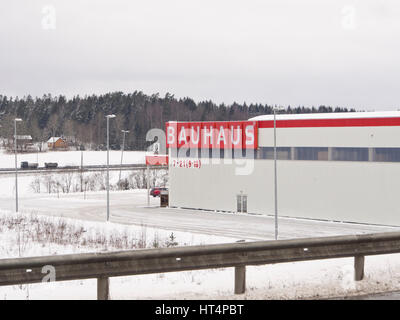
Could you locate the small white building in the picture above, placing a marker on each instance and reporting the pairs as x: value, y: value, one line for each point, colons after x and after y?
x: 331, y: 166
x: 24, y: 143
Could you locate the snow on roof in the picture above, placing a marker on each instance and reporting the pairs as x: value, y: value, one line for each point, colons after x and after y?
x: 331, y: 115
x: 53, y: 139
x: 26, y: 137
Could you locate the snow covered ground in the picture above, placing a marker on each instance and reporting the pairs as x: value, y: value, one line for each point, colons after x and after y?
x: 24, y: 235
x: 130, y: 207
x: 64, y: 158
x: 25, y: 182
x: 301, y: 280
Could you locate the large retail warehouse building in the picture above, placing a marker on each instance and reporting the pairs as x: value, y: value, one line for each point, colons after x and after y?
x: 332, y: 166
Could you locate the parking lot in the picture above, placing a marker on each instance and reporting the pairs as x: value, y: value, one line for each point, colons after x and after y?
x: 130, y: 207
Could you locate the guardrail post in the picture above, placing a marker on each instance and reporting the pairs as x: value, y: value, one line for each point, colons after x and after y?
x: 358, y: 268
x: 103, y: 288
x: 240, y: 279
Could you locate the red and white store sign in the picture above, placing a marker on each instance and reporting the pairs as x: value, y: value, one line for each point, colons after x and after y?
x: 222, y: 134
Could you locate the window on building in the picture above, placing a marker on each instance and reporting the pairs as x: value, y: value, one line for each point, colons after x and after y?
x: 239, y: 153
x: 298, y: 153
x: 310, y: 153
x: 282, y: 153
x: 350, y: 154
x: 386, y: 154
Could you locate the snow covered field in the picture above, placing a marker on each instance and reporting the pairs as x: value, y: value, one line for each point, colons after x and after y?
x: 24, y: 235
x: 300, y: 280
x: 64, y: 158
x: 25, y: 182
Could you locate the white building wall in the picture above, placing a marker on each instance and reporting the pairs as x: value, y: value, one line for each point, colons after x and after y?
x: 365, y: 192
x: 353, y: 191
x: 360, y: 137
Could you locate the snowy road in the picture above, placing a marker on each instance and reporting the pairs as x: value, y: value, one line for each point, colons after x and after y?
x: 129, y: 207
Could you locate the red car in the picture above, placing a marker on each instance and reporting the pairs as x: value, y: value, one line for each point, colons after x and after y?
x: 155, y: 192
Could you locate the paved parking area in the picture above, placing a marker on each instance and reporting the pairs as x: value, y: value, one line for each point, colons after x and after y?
x: 130, y: 207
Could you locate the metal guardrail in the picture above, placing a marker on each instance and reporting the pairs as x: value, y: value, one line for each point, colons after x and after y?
x: 238, y: 255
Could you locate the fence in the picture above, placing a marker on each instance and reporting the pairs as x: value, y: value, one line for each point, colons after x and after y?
x: 238, y: 255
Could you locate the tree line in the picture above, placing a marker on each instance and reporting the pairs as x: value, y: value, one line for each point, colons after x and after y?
x: 82, y: 119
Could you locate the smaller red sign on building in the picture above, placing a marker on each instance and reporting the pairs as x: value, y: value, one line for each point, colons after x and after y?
x: 157, y: 160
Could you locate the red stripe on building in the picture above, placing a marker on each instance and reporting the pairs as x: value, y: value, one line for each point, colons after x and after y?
x: 318, y: 123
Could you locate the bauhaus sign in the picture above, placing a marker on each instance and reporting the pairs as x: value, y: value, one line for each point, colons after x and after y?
x: 221, y: 134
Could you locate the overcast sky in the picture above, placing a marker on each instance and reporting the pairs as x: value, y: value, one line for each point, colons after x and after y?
x: 297, y: 52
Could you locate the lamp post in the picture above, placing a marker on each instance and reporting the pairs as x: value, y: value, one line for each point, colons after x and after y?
x: 16, y: 166
x: 122, y: 153
x: 276, y: 175
x: 110, y: 116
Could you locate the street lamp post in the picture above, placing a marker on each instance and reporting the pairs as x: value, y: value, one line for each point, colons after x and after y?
x: 110, y: 116
x: 122, y: 153
x: 16, y: 164
x: 276, y: 175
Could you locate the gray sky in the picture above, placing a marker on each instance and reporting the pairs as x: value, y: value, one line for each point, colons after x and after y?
x: 297, y: 52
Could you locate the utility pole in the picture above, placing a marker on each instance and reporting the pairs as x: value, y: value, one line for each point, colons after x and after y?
x: 148, y: 185
x: 276, y: 175
x: 16, y: 163
x: 110, y: 116
x: 81, y: 170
